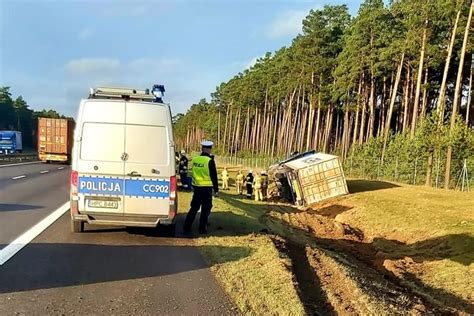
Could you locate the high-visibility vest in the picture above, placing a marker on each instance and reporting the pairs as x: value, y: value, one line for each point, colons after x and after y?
x: 258, y: 182
x: 239, y: 178
x: 224, y: 175
x: 201, y: 175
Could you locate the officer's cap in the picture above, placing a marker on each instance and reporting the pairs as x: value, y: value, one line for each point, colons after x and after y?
x: 183, y: 152
x: 207, y: 144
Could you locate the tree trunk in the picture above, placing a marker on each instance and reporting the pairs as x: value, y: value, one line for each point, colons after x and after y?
x: 425, y: 95
x: 392, y: 103
x: 310, y: 123
x: 227, y: 142
x: 219, y: 128
x: 382, y: 108
x: 429, y: 170
x: 277, y: 120
x: 457, y: 97
x: 371, y: 107
x: 418, y: 81
x: 362, y: 119
x: 356, y: 124
x: 237, y: 142
x: 247, y: 131
x: 469, y: 97
x: 345, y: 132
x: 442, y: 91
x: 318, y: 119
x: 225, y: 128
x: 327, y: 134
x: 406, y: 99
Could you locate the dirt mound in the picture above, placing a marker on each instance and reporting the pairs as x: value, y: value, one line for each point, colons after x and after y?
x: 341, y: 267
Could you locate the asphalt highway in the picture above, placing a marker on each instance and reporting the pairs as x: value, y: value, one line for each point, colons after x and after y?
x: 101, y: 271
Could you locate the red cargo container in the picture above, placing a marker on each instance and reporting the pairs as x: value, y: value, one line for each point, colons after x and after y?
x: 55, y: 138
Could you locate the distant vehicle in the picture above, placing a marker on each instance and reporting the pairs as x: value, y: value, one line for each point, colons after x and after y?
x: 10, y: 142
x: 55, y: 138
x: 123, y: 164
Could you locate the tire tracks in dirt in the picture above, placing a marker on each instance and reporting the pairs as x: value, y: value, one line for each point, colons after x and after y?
x: 337, y: 271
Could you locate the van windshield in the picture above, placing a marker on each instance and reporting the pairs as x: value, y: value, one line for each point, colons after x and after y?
x: 147, y: 144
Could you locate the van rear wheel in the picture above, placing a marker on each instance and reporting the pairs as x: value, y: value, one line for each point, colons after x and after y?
x: 77, y: 226
x: 167, y: 230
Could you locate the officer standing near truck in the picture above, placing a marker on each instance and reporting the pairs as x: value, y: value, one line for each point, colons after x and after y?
x: 183, y: 169
x: 204, y: 174
x: 249, y: 184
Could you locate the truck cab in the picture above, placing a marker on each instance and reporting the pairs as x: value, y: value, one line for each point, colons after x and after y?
x: 123, y: 166
x: 10, y: 142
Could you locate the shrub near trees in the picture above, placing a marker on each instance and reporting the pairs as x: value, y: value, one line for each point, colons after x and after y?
x: 393, y: 81
x: 15, y: 114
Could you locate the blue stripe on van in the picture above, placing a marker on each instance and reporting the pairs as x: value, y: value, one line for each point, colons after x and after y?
x: 147, y: 188
x: 115, y: 187
x: 103, y: 186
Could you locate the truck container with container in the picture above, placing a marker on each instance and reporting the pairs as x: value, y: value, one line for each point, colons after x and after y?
x: 55, y: 139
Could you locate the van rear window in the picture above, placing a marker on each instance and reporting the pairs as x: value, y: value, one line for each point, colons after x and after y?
x: 147, y: 144
x: 102, y: 142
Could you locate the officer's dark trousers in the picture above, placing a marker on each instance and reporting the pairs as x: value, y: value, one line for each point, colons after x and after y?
x: 202, y: 199
x: 249, y: 190
x: 184, y: 178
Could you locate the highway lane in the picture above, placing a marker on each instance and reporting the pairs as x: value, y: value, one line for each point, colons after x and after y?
x: 109, y: 271
x: 28, y: 193
x: 102, y: 271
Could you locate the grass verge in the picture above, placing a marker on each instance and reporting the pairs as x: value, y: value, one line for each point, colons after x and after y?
x: 385, y: 248
x: 257, y: 277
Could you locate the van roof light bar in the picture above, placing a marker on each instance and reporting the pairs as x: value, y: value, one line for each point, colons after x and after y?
x: 121, y: 93
x: 156, y: 95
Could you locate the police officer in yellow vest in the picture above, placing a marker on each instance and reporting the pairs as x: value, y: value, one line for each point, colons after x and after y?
x: 204, y: 174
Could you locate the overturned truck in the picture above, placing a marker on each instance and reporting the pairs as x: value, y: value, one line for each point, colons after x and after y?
x: 308, y: 178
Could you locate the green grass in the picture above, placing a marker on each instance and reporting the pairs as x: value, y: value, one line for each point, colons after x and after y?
x: 434, y: 227
x: 246, y: 263
x: 431, y: 229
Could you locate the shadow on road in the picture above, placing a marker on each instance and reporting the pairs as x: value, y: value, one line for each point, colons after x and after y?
x: 44, y: 266
x: 17, y: 207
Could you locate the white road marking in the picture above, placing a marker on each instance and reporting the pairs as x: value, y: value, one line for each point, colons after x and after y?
x: 19, y: 177
x: 45, y: 171
x: 15, y: 246
x: 60, y: 168
x: 20, y: 164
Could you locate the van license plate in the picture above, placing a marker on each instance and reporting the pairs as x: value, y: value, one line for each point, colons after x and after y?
x: 103, y: 204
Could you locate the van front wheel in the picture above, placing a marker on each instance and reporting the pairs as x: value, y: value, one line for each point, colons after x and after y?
x: 77, y: 226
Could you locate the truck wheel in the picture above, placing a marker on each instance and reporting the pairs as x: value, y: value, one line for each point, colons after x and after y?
x: 77, y: 226
x: 167, y: 230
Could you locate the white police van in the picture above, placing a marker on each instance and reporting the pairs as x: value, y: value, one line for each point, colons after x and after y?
x: 123, y: 165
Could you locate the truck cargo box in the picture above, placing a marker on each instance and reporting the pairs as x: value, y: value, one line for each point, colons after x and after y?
x: 311, y: 177
x: 55, y: 139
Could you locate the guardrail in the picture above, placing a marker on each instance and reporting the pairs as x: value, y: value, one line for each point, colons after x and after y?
x: 19, y: 157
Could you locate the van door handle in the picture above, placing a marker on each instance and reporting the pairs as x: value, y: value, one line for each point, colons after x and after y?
x: 134, y: 174
x: 155, y: 171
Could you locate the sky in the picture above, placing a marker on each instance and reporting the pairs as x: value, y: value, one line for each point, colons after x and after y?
x: 52, y: 51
